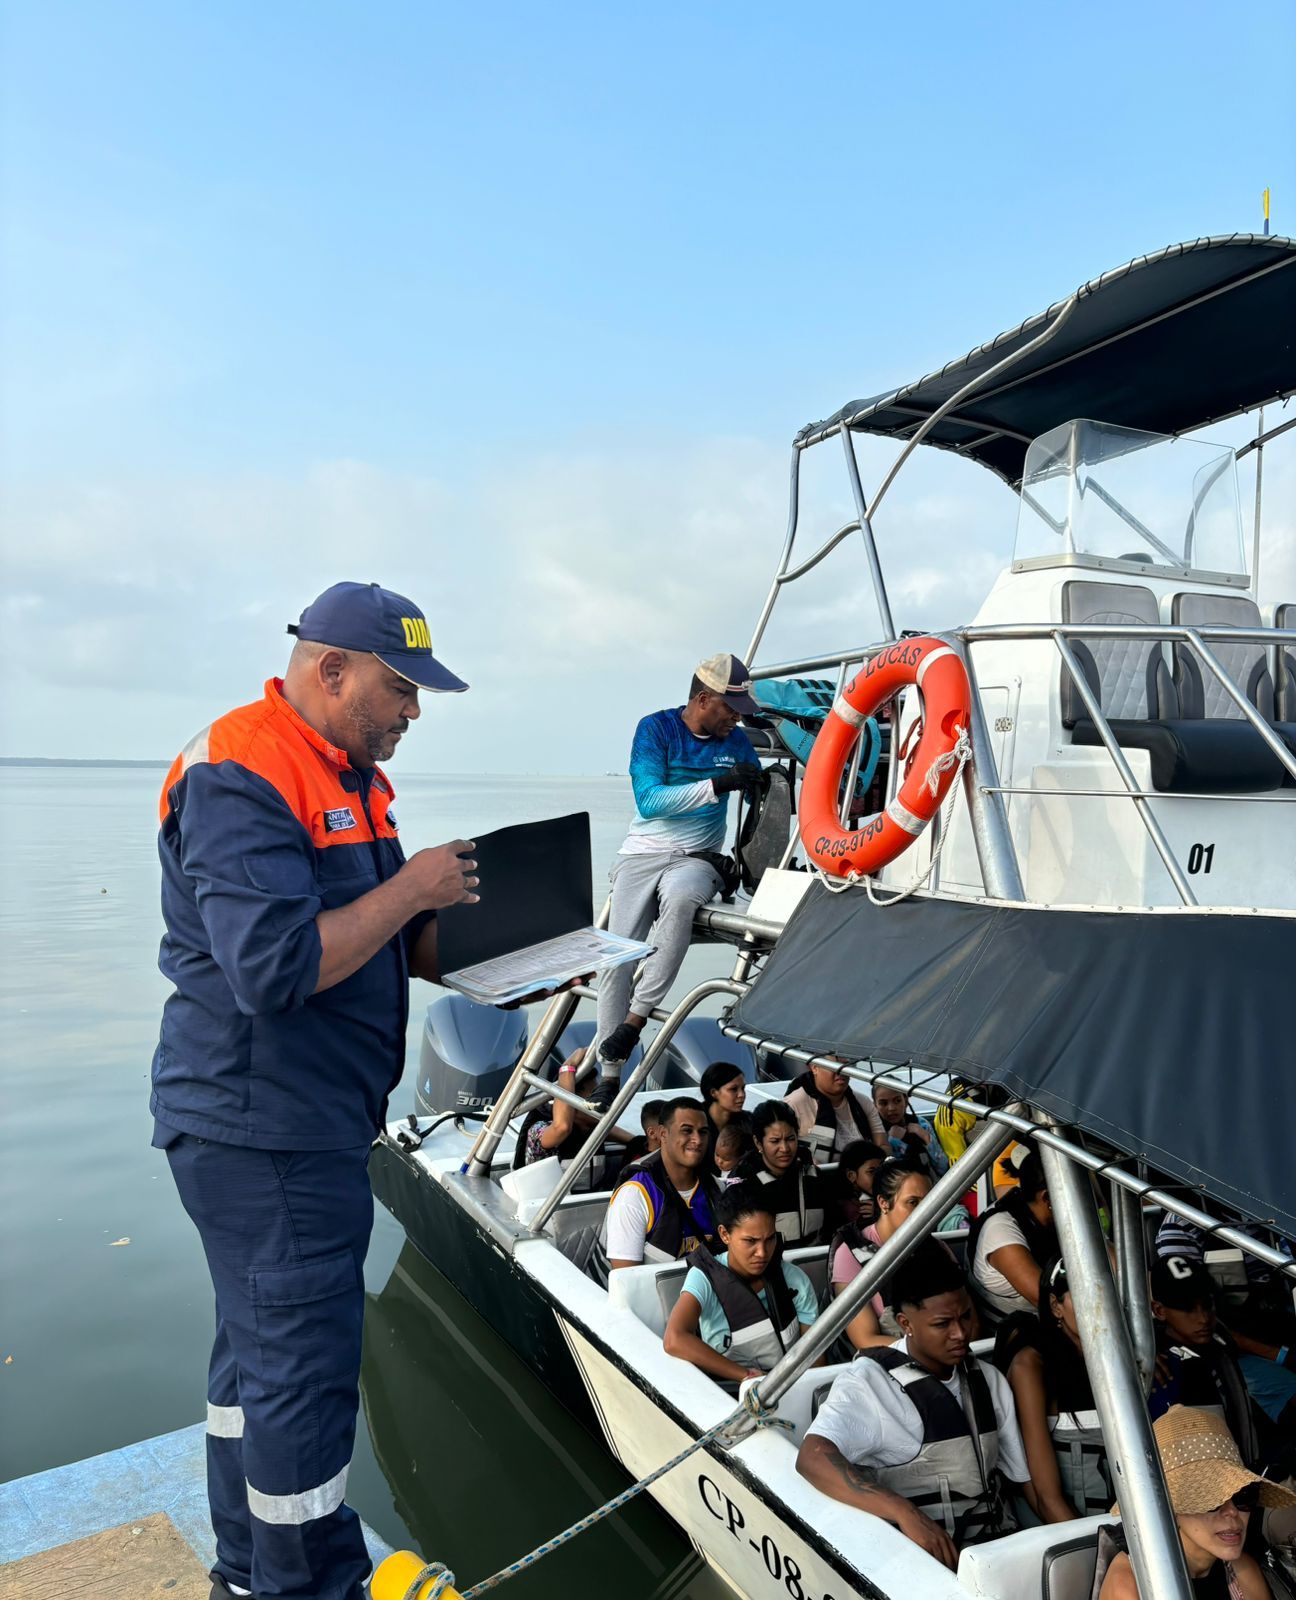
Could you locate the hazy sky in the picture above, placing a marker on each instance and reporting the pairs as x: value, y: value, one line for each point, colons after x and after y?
x: 516, y: 309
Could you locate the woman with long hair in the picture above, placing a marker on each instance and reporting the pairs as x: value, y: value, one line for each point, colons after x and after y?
x: 797, y: 1194
x: 1041, y: 1358
x: 724, y: 1089
x: 898, y: 1188
x: 1011, y: 1241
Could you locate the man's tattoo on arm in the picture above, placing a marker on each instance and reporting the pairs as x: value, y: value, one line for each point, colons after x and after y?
x: 856, y: 1478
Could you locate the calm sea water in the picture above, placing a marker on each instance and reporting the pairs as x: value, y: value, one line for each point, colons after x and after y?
x: 105, y: 1306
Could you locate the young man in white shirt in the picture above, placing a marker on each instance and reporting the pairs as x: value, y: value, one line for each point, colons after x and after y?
x: 895, y: 1436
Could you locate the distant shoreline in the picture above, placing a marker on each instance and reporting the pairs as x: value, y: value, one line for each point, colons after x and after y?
x: 74, y: 761
x: 163, y: 766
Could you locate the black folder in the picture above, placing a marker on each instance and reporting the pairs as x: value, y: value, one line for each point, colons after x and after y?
x: 536, y: 884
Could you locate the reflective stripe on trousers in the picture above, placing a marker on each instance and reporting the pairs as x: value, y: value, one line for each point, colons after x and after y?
x: 285, y: 1234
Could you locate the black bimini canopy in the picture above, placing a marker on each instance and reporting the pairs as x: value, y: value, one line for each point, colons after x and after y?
x: 1169, y: 343
x: 1166, y: 1034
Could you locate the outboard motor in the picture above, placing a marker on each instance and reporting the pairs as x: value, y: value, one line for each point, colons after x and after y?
x: 467, y: 1055
x: 698, y: 1042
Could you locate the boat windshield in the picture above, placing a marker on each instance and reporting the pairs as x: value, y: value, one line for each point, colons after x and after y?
x: 1108, y: 494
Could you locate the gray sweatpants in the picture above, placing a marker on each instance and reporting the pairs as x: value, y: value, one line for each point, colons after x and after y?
x: 659, y: 891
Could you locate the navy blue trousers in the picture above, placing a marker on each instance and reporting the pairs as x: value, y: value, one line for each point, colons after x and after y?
x: 285, y: 1234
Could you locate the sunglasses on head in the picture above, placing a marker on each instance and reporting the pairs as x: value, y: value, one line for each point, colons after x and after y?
x: 1246, y: 1499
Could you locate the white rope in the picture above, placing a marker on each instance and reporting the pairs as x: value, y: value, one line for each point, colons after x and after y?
x: 958, y: 757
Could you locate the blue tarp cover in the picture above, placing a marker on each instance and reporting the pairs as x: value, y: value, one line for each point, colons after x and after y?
x: 1166, y: 1034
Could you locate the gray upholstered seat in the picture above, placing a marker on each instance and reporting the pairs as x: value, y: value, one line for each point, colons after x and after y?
x: 1285, y: 617
x: 1134, y: 689
x: 1128, y: 676
x: 1200, y: 692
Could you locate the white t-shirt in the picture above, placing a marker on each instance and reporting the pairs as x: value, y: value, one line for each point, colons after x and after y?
x: 628, y: 1221
x: 998, y: 1230
x: 873, y: 1422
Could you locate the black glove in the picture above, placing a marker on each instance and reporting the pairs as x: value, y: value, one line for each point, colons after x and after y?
x: 745, y: 775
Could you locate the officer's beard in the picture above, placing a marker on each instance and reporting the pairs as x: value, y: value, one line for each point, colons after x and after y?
x: 378, y: 740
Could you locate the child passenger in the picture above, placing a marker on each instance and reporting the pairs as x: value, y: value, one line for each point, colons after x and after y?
x: 858, y: 1162
x: 732, y: 1143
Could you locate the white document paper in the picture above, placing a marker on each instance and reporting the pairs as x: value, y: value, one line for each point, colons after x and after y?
x: 545, y: 966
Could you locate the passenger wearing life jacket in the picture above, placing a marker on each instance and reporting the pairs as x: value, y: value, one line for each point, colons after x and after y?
x: 1042, y: 1360
x: 856, y: 1169
x: 798, y: 1195
x: 897, y: 1189
x: 665, y: 1208
x: 920, y: 1433
x: 1010, y: 1242
x: 1198, y: 1362
x: 830, y: 1114
x: 557, y: 1129
x: 908, y: 1135
x: 1261, y: 1321
x: 740, y: 1310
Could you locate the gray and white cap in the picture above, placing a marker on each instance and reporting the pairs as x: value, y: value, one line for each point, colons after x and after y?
x: 728, y: 677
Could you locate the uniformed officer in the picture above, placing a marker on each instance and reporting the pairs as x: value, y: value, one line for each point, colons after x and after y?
x: 293, y: 925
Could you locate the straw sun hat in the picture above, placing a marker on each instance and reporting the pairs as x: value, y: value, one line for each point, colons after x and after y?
x: 1202, y: 1465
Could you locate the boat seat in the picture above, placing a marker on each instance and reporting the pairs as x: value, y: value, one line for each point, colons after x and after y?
x: 1129, y: 677
x: 575, y: 1226
x: 1209, y: 756
x: 1053, y: 1562
x: 1285, y: 690
x: 1199, y: 691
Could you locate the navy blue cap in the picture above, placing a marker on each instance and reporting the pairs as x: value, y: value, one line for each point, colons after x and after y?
x: 362, y: 616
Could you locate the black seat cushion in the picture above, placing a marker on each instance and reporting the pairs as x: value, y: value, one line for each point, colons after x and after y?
x: 1207, y: 755
x: 1286, y: 731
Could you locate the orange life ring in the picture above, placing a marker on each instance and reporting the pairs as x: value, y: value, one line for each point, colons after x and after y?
x: 939, y: 674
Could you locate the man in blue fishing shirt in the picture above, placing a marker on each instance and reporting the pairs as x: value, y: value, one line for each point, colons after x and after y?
x: 684, y: 763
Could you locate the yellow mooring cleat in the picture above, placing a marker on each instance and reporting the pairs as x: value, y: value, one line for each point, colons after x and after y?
x: 393, y: 1578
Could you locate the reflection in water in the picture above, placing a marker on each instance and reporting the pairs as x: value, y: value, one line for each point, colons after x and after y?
x: 484, y: 1464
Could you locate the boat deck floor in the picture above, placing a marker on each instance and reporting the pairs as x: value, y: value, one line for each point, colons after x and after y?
x: 132, y: 1522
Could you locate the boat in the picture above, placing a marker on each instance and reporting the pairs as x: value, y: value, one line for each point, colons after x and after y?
x: 1100, y: 923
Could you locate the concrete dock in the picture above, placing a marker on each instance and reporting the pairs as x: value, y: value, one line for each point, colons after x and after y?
x: 130, y: 1523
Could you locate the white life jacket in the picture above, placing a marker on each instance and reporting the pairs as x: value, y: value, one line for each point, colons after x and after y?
x: 823, y: 1136
x: 757, y: 1337
x: 1082, y: 1461
x: 802, y: 1225
x: 954, y: 1477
